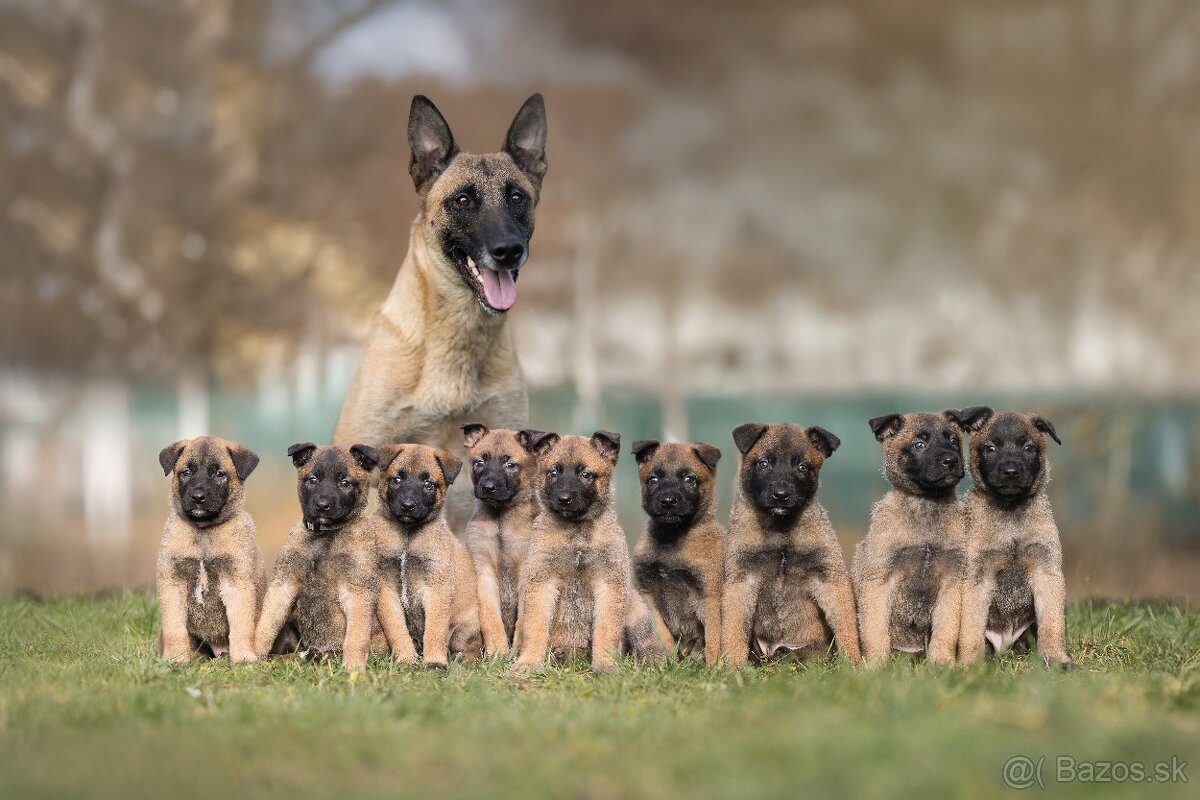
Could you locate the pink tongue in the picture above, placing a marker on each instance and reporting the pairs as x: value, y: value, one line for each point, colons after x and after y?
x: 499, y: 288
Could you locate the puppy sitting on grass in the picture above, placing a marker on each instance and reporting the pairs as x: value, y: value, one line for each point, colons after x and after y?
x: 427, y: 597
x: 1014, y: 582
x: 210, y: 574
x: 325, y: 580
x: 576, y: 590
x: 502, y: 471
x: 787, y: 590
x: 679, y: 562
x: 908, y: 570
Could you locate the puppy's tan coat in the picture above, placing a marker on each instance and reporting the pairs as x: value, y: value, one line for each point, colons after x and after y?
x: 210, y: 574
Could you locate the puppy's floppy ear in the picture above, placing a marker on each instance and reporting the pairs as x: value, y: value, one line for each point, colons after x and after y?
x: 473, y: 432
x: 526, y: 139
x: 301, y: 453
x: 387, y: 454
x: 170, y: 454
x: 970, y: 419
x: 744, y: 436
x: 823, y: 440
x: 885, y: 426
x: 1045, y: 426
x: 244, y: 460
x: 451, y: 465
x: 643, y: 449
x: 607, y: 444
x: 708, y: 455
x: 365, y: 456
x: 430, y: 140
x: 537, y: 442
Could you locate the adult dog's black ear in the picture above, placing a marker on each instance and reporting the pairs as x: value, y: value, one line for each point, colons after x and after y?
x: 708, y: 455
x: 170, y: 454
x: 473, y: 432
x: 607, y: 444
x: 430, y: 140
x: 1045, y: 426
x: 970, y: 419
x: 301, y: 453
x: 537, y: 442
x: 451, y: 465
x: 365, y: 456
x: 526, y: 139
x: 885, y: 426
x: 744, y: 436
x: 244, y: 460
x: 643, y: 449
x: 823, y: 440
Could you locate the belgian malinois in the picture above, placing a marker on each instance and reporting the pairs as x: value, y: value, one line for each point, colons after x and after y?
x: 1014, y: 583
x: 439, y: 352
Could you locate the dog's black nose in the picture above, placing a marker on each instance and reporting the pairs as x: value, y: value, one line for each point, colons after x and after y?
x: 668, y: 500
x: 508, y: 252
x: 407, y: 505
x: 781, y: 494
x: 950, y: 460
x: 488, y: 487
x: 564, y: 498
x: 322, y: 504
x: 198, y: 495
x: 1010, y: 471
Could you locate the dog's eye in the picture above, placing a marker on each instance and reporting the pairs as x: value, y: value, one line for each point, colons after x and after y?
x: 1030, y: 447
x: 479, y: 463
x: 221, y: 473
x: 516, y: 199
x: 394, y: 480
x: 803, y: 468
x: 918, y: 445
x: 429, y: 487
x: 462, y: 200
x: 512, y: 466
x: 953, y: 439
x: 553, y: 473
x: 586, y: 475
x: 185, y: 473
x: 652, y: 480
x: 311, y: 480
x: 762, y: 463
x: 690, y: 480
x: 988, y: 447
x: 345, y: 483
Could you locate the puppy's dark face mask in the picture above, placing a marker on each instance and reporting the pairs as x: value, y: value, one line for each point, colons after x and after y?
x: 576, y: 472
x: 676, y: 480
x: 415, y: 481
x: 780, y: 467
x: 208, y: 474
x: 1010, y: 454
x: 499, y: 463
x: 332, y: 483
x: 922, y: 451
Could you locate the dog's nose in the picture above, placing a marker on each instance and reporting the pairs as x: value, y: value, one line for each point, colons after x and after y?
x: 508, y: 252
x: 564, y: 498
x: 949, y: 460
x: 323, y: 504
x: 668, y: 500
x: 407, y: 505
x: 781, y: 494
x: 1009, y: 471
x: 488, y: 486
x: 198, y: 495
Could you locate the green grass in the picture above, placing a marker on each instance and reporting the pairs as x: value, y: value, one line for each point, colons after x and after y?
x: 86, y: 709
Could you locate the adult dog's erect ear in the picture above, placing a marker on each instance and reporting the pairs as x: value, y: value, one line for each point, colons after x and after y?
x: 526, y: 139
x: 430, y: 140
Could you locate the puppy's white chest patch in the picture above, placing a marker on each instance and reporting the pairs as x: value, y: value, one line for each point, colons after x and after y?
x: 404, y: 579
x: 201, y: 584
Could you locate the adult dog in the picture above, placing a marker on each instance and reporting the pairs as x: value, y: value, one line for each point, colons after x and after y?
x: 439, y: 352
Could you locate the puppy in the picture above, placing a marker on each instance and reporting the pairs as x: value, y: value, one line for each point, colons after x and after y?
x: 576, y: 589
x: 1014, y: 581
x: 786, y: 585
x: 427, y: 597
x: 210, y: 575
x: 908, y: 570
x: 502, y: 471
x: 679, y: 562
x: 325, y: 580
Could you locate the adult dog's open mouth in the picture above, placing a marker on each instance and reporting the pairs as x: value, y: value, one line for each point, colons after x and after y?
x: 495, y: 290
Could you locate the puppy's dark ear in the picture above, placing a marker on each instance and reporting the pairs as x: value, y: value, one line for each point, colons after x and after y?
x: 430, y: 140
x: 244, y: 460
x: 301, y: 453
x: 537, y: 442
x: 365, y: 456
x: 744, y: 436
x: 170, y: 454
x: 1045, y: 426
x: 473, y: 432
x: 643, y: 449
x: 885, y: 426
x: 526, y: 139
x: 387, y: 454
x: 607, y: 444
x: 451, y: 465
x: 970, y: 419
x: 823, y: 440
x: 708, y: 455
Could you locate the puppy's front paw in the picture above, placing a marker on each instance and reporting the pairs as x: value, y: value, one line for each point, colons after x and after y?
x: 1064, y: 664
x: 436, y: 666
x: 523, y: 667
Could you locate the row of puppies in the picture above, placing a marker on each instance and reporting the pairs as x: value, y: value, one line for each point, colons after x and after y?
x: 546, y: 564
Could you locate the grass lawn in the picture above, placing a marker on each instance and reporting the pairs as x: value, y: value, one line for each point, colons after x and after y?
x: 87, y: 710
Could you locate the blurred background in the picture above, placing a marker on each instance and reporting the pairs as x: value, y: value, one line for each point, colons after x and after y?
x: 807, y: 211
